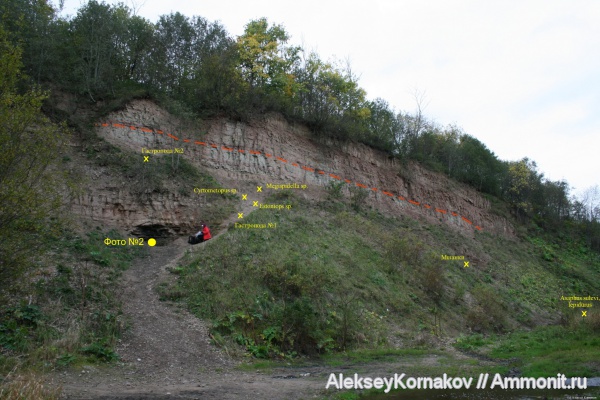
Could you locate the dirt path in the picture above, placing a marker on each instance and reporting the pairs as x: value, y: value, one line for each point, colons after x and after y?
x: 167, y: 353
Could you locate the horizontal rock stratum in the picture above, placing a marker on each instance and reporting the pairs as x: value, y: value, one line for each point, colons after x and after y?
x: 275, y: 152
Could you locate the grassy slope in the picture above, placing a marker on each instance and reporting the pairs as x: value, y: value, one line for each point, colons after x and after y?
x: 64, y: 324
x: 329, y: 277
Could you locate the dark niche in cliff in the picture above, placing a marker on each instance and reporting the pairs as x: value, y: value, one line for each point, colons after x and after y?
x: 162, y: 233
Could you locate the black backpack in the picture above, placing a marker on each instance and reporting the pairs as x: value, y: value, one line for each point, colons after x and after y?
x: 194, y: 240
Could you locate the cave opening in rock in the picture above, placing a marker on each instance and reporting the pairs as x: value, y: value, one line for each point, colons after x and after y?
x: 163, y: 234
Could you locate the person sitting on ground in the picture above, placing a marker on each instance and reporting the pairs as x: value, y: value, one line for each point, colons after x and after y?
x: 204, y: 233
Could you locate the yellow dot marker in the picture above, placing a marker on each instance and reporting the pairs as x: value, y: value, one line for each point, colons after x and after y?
x: 152, y: 242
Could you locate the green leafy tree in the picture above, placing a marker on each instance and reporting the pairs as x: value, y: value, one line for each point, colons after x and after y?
x: 138, y: 44
x: 521, y: 178
x: 215, y: 83
x: 31, y: 182
x: 173, y: 57
x: 331, y: 101
x: 99, y: 37
x: 267, y: 63
x: 480, y: 166
x: 262, y: 52
x: 555, y: 203
x: 184, y: 51
x: 382, y: 125
x: 30, y: 23
x: 219, y: 85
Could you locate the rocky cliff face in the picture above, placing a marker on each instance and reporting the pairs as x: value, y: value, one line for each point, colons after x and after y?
x: 270, y: 150
x: 158, y: 215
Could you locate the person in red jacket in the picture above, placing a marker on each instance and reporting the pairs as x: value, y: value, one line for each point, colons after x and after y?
x: 204, y: 234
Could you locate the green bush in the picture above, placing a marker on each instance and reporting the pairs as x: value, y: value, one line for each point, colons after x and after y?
x: 489, y: 313
x: 17, y: 325
x: 66, y: 359
x: 432, y: 279
x: 14, y: 336
x: 101, y: 350
x: 335, y: 190
x: 472, y: 342
x: 358, y: 197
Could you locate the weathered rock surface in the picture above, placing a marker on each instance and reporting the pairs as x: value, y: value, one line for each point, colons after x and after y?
x: 276, y: 139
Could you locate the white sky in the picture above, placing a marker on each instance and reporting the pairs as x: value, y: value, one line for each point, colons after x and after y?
x: 521, y: 76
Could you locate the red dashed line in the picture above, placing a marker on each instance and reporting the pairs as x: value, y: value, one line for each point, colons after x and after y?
x: 254, y: 152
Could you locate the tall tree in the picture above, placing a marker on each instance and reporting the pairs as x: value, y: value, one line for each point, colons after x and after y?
x: 556, y: 198
x: 139, y: 40
x: 383, y: 127
x: 266, y: 62
x: 262, y: 52
x: 30, y: 23
x: 173, y: 57
x: 31, y: 184
x: 100, y: 40
x: 523, y: 187
x: 331, y: 100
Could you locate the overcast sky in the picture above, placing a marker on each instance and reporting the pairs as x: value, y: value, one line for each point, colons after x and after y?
x: 521, y: 76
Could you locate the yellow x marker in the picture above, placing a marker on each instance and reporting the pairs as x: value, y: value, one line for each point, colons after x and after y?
x: 244, y: 197
x: 240, y: 215
x: 255, y: 204
x: 466, y: 264
x: 584, y: 313
x: 146, y: 158
x: 259, y: 188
